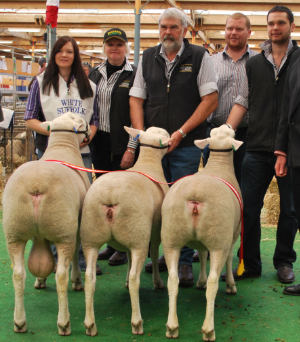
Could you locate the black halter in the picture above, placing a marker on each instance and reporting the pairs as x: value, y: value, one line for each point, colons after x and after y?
x: 76, y: 132
x: 158, y: 147
x: 216, y: 150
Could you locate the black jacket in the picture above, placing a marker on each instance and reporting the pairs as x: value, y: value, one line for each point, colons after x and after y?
x: 288, y: 135
x: 265, y: 101
x: 171, y: 109
x: 119, y: 109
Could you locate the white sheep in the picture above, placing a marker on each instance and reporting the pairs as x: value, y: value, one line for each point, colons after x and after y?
x: 202, y: 212
x: 42, y: 201
x: 124, y: 210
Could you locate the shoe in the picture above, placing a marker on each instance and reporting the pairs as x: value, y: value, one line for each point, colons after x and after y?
x: 246, y: 274
x: 162, y: 266
x: 293, y: 290
x: 196, y: 257
x: 106, y: 253
x: 185, y: 274
x: 118, y: 258
x: 285, y: 274
x: 98, y: 270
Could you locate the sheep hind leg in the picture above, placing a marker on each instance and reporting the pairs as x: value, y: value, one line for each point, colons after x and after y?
x: 91, y: 255
x: 128, y: 269
x: 16, y: 252
x: 138, y: 258
x: 154, y: 253
x: 201, y: 283
x: 217, y: 261
x: 64, y: 252
x: 77, y: 284
x: 230, y: 283
x: 172, y: 258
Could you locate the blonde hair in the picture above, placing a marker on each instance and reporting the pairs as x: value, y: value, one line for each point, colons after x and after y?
x: 127, y: 54
x: 239, y: 15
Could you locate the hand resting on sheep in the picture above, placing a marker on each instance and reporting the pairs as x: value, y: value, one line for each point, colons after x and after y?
x: 42, y: 201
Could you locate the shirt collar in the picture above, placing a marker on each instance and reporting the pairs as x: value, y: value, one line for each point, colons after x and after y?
x: 225, y: 51
x: 179, y: 53
x: 267, y: 46
x: 126, y: 67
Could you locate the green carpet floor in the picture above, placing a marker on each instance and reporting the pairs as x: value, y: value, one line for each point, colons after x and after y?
x: 258, y: 313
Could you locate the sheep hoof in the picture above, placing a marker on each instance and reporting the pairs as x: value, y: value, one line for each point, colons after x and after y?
x: 172, y: 333
x: 137, y: 329
x: 40, y: 283
x: 20, y: 327
x: 159, y: 284
x: 201, y: 286
x: 91, y: 330
x: 64, y: 330
x: 78, y: 285
x: 231, y: 289
x: 211, y: 336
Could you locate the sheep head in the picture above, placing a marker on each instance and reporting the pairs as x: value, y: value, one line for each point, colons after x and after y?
x: 68, y: 122
x: 221, y: 138
x: 154, y: 136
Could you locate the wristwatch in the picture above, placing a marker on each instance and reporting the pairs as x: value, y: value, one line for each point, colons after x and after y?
x: 181, y: 131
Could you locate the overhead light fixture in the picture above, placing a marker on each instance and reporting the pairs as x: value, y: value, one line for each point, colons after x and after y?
x: 5, y: 50
x: 37, y: 50
x: 24, y: 30
x: 6, y: 41
x: 129, y: 43
x: 149, y: 31
x: 94, y: 51
x: 85, y: 30
x: 252, y: 45
x: 27, y: 57
x: 295, y: 34
x: 78, y: 43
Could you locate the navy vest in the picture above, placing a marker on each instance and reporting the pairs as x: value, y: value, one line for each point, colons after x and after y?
x: 170, y: 110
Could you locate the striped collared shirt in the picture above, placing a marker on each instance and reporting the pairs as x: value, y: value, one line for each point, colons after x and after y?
x: 266, y: 46
x: 230, y: 77
x: 104, y: 91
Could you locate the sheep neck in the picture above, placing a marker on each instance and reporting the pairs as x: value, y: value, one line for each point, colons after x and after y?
x: 150, y: 156
x: 220, y: 159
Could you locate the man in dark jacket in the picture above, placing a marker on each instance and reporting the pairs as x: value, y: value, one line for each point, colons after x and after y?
x: 288, y: 140
x: 175, y: 89
x: 262, y: 94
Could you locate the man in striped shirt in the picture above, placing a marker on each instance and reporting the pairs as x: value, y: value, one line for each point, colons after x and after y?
x: 229, y: 66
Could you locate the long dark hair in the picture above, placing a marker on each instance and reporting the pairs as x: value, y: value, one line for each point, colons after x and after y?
x: 51, y: 78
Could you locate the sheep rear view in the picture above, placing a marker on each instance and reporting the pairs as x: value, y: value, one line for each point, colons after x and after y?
x: 202, y: 212
x: 42, y: 201
x: 124, y: 210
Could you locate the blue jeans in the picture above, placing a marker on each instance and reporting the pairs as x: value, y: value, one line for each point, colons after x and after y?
x: 238, y: 156
x: 257, y: 173
x: 179, y: 163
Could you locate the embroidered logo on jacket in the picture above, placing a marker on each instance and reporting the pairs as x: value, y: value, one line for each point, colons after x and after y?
x: 186, y: 68
x: 124, y: 84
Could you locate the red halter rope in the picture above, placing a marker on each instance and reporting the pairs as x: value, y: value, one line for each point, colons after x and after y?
x: 241, y: 269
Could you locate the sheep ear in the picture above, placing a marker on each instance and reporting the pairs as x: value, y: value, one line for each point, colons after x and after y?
x: 76, y: 126
x: 202, y: 143
x: 165, y: 140
x: 236, y: 144
x: 45, y: 125
x: 132, y: 131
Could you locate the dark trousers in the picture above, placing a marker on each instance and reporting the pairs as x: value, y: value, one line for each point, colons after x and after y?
x: 295, y: 177
x: 102, y: 156
x: 257, y: 173
x: 238, y: 156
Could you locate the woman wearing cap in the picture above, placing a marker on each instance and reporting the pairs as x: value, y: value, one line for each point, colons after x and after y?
x: 63, y: 87
x: 112, y: 147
